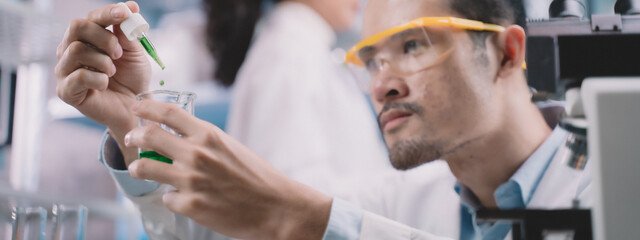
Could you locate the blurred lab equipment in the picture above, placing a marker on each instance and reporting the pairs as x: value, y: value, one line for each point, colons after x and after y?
x: 567, y: 9
x: 45, y: 159
x: 28, y: 223
x: 563, y: 51
x: 7, y: 96
x: 37, y: 220
x: 593, y: 64
x: 69, y: 222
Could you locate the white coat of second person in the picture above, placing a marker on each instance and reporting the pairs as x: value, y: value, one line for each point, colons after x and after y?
x: 295, y: 107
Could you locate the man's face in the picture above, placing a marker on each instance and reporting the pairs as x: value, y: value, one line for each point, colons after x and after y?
x: 435, y: 112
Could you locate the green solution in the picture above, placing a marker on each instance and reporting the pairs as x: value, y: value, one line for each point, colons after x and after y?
x: 155, y: 156
x: 151, y: 50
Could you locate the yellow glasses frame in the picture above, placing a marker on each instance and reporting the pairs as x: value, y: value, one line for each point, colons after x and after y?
x: 352, y: 54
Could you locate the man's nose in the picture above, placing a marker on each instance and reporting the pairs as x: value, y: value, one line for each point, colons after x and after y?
x: 388, y: 85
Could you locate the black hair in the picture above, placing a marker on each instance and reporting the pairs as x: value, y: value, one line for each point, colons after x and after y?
x: 501, y: 12
x: 230, y: 28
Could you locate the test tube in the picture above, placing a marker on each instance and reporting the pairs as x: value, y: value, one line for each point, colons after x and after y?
x: 69, y: 222
x: 28, y: 223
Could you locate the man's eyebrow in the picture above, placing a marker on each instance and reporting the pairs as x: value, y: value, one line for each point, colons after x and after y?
x: 405, y: 33
x: 368, y: 50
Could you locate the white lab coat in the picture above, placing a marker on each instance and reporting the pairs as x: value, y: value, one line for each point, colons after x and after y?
x: 298, y: 109
x: 556, y: 190
x: 422, y: 198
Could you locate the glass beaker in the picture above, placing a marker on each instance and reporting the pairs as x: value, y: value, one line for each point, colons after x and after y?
x: 28, y: 223
x: 69, y: 222
x: 183, y: 99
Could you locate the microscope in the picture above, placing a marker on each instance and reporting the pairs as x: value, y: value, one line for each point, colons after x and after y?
x: 593, y: 63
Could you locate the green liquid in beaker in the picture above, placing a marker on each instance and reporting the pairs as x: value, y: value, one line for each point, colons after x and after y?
x: 151, y: 50
x: 155, y: 156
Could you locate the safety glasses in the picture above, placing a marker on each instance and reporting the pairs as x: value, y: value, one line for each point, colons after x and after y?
x: 410, y: 47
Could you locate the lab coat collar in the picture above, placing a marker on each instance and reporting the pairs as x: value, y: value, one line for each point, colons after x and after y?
x: 306, y: 22
x: 525, y: 179
x: 530, y: 173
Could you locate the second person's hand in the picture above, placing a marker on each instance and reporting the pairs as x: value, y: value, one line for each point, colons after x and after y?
x: 99, y: 72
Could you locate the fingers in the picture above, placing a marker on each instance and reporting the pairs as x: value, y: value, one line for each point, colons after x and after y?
x: 153, y: 170
x: 73, y: 88
x: 170, y: 114
x: 155, y: 138
x: 111, y: 14
x: 82, y: 55
x: 89, y: 32
x: 182, y: 203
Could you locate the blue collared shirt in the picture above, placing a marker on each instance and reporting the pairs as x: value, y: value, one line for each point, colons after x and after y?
x: 516, y: 193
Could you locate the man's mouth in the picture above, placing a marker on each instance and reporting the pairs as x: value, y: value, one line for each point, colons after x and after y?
x: 393, y: 119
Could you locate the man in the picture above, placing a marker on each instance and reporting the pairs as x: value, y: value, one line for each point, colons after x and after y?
x: 443, y: 87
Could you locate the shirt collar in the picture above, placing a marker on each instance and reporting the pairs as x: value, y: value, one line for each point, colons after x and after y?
x: 517, y: 191
x: 304, y: 21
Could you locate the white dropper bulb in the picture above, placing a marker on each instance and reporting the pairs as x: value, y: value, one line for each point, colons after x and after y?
x: 135, y: 26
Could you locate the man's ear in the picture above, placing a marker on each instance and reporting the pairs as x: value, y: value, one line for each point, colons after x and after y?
x: 512, y: 44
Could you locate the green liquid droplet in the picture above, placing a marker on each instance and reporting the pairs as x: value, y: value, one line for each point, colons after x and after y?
x: 155, y: 156
x: 151, y: 50
x: 161, y: 82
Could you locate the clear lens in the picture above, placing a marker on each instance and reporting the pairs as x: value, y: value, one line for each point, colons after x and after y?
x: 404, y: 53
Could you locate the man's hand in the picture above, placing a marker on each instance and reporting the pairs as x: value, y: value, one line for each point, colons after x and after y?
x: 100, y: 72
x: 220, y: 183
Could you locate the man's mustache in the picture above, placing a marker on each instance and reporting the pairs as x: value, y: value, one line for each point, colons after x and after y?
x: 407, y: 107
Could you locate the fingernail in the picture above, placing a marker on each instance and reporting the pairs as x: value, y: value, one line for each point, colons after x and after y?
x: 166, y: 198
x: 118, y: 52
x: 113, y: 70
x: 127, y: 139
x: 117, y: 12
x: 132, y: 167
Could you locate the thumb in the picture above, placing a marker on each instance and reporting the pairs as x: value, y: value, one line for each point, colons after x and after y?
x: 122, y: 39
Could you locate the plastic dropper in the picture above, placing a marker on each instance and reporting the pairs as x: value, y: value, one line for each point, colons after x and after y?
x: 134, y: 27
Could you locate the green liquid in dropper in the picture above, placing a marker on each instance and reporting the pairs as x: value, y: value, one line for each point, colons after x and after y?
x: 155, y: 156
x: 152, y: 52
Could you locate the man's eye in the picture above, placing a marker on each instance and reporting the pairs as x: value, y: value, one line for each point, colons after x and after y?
x: 411, y: 46
x: 370, y: 64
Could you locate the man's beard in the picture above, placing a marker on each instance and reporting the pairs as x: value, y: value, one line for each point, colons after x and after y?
x: 410, y: 153
x: 407, y: 154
